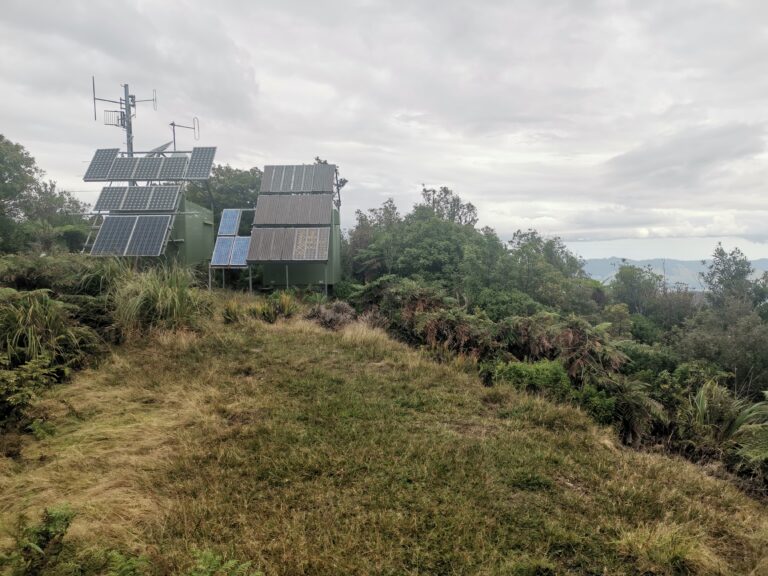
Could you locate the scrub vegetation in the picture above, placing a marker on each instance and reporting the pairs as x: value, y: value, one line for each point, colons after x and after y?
x: 462, y: 405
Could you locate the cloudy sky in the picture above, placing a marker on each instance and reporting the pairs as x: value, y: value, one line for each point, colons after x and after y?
x: 628, y: 128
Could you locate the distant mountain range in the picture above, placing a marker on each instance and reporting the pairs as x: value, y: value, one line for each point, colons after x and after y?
x: 683, y: 271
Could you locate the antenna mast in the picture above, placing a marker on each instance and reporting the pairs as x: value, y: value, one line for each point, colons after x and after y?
x: 123, y: 117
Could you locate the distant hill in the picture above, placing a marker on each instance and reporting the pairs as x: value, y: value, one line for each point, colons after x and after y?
x: 683, y: 271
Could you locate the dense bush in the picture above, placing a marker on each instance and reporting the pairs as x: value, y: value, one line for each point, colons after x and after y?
x: 333, y: 316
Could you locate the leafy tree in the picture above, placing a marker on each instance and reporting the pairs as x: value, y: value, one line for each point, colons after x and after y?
x: 447, y: 205
x: 18, y: 173
x: 636, y: 287
x: 728, y: 277
x: 227, y: 188
x: 33, y: 212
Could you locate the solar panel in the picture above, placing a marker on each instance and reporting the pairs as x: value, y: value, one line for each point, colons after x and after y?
x: 137, y: 198
x: 149, y: 236
x: 298, y: 179
x: 324, y: 176
x: 148, y: 168
x: 240, y: 251
x: 122, y: 169
x: 266, y: 178
x: 111, y: 198
x: 113, y: 236
x: 164, y: 198
x: 200, y: 163
x: 173, y: 168
x: 100, y: 165
x: 310, y: 244
x: 222, y: 250
x: 230, y: 222
x: 295, y: 209
x: 289, y: 244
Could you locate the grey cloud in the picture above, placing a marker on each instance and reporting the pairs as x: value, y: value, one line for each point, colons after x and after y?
x: 583, y: 118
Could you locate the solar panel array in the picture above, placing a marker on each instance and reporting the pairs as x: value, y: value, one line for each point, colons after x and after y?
x: 298, y: 178
x: 107, y: 166
x: 289, y: 244
x: 138, y: 198
x: 132, y: 235
x: 294, y: 209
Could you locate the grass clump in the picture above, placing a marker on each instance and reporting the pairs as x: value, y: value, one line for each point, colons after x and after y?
x: 669, y: 549
x: 276, y: 306
x: 161, y: 297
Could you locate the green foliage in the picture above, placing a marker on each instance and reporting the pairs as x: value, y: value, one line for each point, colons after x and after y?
x: 644, y: 330
x: 286, y: 304
x: 728, y: 277
x: 37, y: 547
x: 502, y: 304
x: 161, y: 297
x: 34, y: 325
x: 20, y: 384
x: 33, y: 213
x: 232, y: 312
x: 208, y: 563
x: 714, y: 423
x: 227, y: 188
x: 549, y: 378
x: 636, y: 287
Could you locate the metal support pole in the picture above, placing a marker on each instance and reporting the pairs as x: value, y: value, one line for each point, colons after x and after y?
x: 250, y: 280
x: 128, y: 122
x: 209, y: 278
x: 286, y: 276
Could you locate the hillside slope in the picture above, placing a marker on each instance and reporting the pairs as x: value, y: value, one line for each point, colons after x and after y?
x: 312, y: 452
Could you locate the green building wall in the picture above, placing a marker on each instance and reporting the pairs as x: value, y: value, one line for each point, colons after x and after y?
x: 309, y: 273
x: 192, y: 237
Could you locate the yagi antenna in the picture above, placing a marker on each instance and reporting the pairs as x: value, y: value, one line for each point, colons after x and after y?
x: 123, y: 116
x: 195, y: 129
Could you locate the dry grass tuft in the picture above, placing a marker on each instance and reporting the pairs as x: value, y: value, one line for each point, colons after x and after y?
x: 669, y: 549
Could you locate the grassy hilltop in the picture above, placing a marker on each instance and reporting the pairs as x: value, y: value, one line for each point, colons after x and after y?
x: 307, y: 451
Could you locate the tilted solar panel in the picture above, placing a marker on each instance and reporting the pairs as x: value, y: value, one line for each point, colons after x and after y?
x: 289, y: 244
x: 301, y: 178
x: 164, y: 198
x: 100, y: 165
x: 200, y: 163
x: 111, y: 198
x: 222, y: 251
x: 294, y: 209
x: 230, y: 222
x: 149, y: 235
x: 136, y: 198
x: 240, y: 248
x: 113, y: 236
x: 122, y: 169
x: 148, y: 168
x: 173, y: 168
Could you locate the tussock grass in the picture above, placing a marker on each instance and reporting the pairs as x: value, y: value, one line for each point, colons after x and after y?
x: 159, y: 297
x: 307, y: 451
x: 670, y: 549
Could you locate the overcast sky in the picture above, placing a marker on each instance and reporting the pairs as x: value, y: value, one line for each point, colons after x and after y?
x: 593, y: 120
